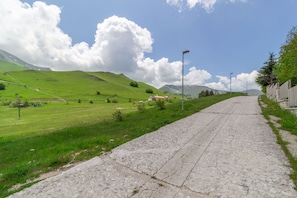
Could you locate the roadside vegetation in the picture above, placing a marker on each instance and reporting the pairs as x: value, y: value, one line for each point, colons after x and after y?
x: 25, y: 156
x: 280, y: 69
x: 288, y: 122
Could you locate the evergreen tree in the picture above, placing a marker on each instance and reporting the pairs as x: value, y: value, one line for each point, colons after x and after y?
x: 266, y: 76
x: 202, y: 94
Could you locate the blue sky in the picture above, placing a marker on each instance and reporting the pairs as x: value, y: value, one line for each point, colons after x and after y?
x: 144, y: 39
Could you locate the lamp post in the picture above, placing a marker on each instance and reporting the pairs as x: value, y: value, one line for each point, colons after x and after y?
x: 230, y: 82
x: 183, y: 52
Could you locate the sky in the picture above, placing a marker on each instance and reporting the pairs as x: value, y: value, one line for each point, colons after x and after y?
x: 144, y: 39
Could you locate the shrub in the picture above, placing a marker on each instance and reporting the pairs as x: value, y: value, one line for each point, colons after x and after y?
x: 115, y: 100
x: 6, y: 103
x: 14, y: 104
x: 160, y: 104
x: 37, y: 104
x: 151, y: 103
x: 149, y: 91
x: 170, y: 100
x: 79, y: 100
x: 141, y: 107
x: 91, y: 102
x: 26, y: 103
x: 98, y: 93
x: 107, y: 100
x: 133, y: 84
x: 118, y: 115
x: 2, y: 86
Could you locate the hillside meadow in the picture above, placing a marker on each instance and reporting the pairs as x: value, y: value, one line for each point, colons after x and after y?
x: 63, y: 99
x: 71, y: 86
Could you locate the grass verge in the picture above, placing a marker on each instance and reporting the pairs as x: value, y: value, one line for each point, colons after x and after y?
x: 288, y: 122
x: 26, y: 157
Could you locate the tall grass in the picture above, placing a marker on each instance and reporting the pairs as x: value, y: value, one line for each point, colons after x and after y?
x: 26, y: 157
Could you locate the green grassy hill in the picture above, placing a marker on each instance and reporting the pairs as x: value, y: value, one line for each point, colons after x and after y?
x: 70, y: 86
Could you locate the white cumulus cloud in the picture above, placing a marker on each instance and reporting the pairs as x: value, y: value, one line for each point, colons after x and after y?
x: 208, y: 5
x: 197, y: 77
x: 239, y: 82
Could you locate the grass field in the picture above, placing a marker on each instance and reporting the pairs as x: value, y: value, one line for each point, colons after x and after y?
x: 66, y: 99
x: 76, y: 135
x: 54, y: 116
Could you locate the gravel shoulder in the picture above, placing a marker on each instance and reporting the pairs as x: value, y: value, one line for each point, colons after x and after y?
x: 226, y: 150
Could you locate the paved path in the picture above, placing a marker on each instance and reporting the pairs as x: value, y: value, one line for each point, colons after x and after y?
x: 226, y: 150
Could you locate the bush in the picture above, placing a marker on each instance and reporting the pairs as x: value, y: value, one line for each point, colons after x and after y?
x: 26, y: 103
x: 91, y: 102
x: 160, y: 104
x: 170, y: 100
x: 141, y: 107
x: 6, y: 103
x: 115, y: 100
x: 133, y: 84
x: 98, y: 93
x: 79, y: 100
x: 118, y: 115
x: 151, y: 103
x: 37, y: 104
x: 150, y: 91
x: 107, y: 100
x: 13, y: 104
x: 2, y: 86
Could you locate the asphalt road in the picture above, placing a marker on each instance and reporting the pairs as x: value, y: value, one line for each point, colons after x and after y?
x: 226, y: 150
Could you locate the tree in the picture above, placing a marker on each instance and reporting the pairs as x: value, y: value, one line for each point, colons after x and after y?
x: 202, y: 94
x: 286, y: 67
x: 2, y: 86
x: 266, y: 76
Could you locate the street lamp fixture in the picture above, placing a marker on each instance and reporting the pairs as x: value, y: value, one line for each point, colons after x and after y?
x: 230, y: 82
x: 183, y: 52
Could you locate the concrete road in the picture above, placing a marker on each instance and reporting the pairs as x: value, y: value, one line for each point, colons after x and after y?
x: 226, y: 150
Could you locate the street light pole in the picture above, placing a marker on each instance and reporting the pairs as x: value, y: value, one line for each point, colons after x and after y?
x: 183, y: 52
x: 230, y: 82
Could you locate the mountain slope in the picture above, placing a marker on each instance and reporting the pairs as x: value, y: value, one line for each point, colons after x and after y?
x: 6, y: 67
x: 194, y: 90
x: 189, y: 90
x: 71, y: 86
x: 9, y: 58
